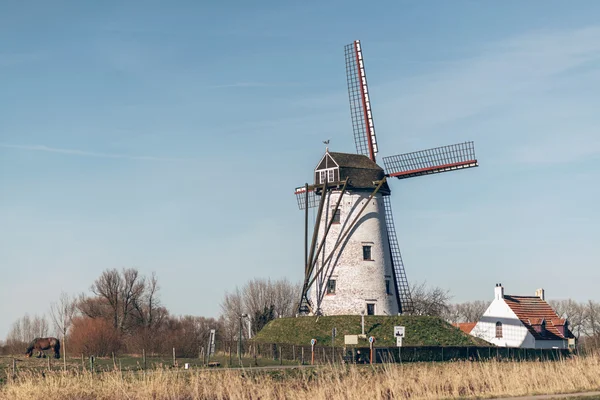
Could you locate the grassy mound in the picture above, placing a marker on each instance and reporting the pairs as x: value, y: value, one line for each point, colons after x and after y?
x: 420, y: 331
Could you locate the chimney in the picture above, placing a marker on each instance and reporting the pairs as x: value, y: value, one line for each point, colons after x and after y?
x: 498, y: 291
x: 540, y: 293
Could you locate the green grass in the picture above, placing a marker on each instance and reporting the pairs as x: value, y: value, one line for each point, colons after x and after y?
x: 420, y: 331
x: 128, y: 362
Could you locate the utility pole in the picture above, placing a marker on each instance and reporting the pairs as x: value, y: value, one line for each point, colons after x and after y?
x: 240, y: 338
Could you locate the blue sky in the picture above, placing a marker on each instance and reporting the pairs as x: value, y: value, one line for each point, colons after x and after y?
x: 170, y: 137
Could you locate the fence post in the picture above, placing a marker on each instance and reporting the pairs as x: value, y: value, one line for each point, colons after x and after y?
x: 280, y: 357
x: 230, y: 356
x: 174, y: 360
x: 302, y: 356
x: 14, y: 368
x: 294, y: 352
x: 144, y: 358
x: 48, y: 363
x: 92, y: 364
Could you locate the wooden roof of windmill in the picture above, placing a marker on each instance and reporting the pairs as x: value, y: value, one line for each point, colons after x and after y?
x: 360, y: 170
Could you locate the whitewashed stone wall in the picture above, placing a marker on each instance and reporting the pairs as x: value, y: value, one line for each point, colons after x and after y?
x: 358, y: 282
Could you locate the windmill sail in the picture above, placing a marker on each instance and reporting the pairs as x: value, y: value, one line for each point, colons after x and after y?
x: 431, y: 161
x: 301, y: 198
x: 405, y: 303
x: 360, y: 105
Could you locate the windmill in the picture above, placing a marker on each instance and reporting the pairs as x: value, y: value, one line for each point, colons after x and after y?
x: 353, y: 262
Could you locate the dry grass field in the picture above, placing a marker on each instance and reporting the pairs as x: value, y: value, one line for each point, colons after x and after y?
x: 406, y: 381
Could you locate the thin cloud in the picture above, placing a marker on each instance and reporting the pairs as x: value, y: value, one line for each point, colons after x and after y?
x: 252, y: 85
x: 83, y: 153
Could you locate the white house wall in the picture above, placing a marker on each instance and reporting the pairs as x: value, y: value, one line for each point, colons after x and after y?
x: 514, y: 333
x: 358, y: 282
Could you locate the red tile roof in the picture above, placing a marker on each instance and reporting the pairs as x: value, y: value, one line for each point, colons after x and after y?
x: 466, y: 327
x: 532, y: 310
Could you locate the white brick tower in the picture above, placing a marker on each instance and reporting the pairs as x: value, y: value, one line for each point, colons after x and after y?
x: 360, y: 276
x: 354, y: 271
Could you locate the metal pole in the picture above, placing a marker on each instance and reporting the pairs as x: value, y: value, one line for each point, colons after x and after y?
x: 174, y: 361
x: 362, y: 321
x: 64, y: 350
x: 240, y: 340
x: 302, y: 356
x: 333, y: 331
x: 144, y: 357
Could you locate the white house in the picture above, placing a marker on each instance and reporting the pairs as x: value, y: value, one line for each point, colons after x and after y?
x: 522, y: 321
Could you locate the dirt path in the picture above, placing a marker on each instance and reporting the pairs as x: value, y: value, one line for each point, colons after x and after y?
x: 554, y: 396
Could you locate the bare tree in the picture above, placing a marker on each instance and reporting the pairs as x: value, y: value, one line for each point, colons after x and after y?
x: 573, y: 312
x: 109, y: 287
x: 470, y: 311
x: 24, y: 330
x: 259, y: 298
x: 433, y: 301
x: 120, y: 292
x: 62, y: 313
x: 232, y: 307
x: 286, y: 295
x: 592, y: 314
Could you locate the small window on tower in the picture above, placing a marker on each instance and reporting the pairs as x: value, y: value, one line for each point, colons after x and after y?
x: 336, y: 216
x: 322, y: 176
x: 331, y: 286
x: 370, y: 309
x: 498, y: 329
x: 367, y: 253
x: 388, y: 289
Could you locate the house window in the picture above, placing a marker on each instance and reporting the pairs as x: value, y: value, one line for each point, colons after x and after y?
x: 336, y: 216
x: 330, y: 175
x: 388, y: 289
x: 498, y: 329
x: 331, y: 286
x: 370, y: 309
x: 367, y: 253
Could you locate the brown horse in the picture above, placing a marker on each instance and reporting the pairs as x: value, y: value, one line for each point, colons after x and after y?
x: 41, y: 344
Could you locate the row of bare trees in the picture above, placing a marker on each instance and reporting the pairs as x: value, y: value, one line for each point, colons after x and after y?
x: 25, y: 329
x: 260, y: 300
x: 123, y: 313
